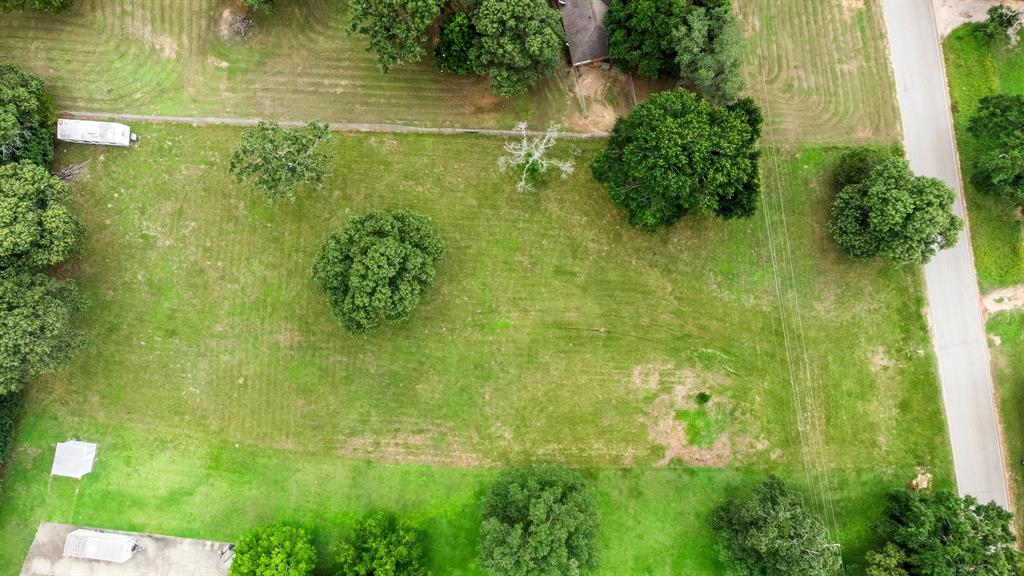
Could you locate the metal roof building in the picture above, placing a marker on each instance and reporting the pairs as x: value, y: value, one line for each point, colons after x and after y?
x: 91, y: 132
x: 96, y: 545
x: 73, y: 459
x: 583, y: 21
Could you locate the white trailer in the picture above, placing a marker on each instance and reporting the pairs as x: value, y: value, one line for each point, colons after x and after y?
x: 92, y: 132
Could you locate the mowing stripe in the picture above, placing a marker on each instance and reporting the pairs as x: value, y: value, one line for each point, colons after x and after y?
x: 338, y: 126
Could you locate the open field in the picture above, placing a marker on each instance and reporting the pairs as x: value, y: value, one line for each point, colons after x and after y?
x: 979, y: 68
x: 300, y: 63
x: 554, y: 332
x: 822, y: 67
x: 1006, y: 331
x: 825, y: 67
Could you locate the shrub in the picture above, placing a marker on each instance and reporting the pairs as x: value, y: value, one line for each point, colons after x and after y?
x: 856, y: 164
x: 10, y: 408
x: 676, y: 153
x: 396, y: 29
x: 453, y: 52
x: 770, y: 533
x: 39, y: 228
x: 274, y: 550
x: 518, y: 43
x: 998, y: 124
x: 1001, y: 20
x: 937, y: 533
x: 895, y: 215
x: 642, y: 35
x: 539, y: 521
x: 37, y: 326
x: 383, y: 545
x: 27, y: 117
x: 376, y: 270
x: 278, y: 159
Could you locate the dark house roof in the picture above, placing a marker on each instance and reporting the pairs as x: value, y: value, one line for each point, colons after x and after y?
x: 584, y: 30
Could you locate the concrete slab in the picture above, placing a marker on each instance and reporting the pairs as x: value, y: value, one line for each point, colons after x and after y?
x: 160, y: 556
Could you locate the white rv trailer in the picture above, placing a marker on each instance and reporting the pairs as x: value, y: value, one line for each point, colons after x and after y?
x: 92, y: 132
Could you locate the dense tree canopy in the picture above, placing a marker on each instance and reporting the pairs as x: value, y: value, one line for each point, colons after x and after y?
x: 676, y: 153
x: 376, y: 270
x: 396, y: 29
x: 998, y: 125
x: 896, y: 215
x: 27, y: 117
x: 540, y: 521
x: 642, y: 35
x: 278, y: 159
x: 37, y: 326
x: 274, y: 550
x: 856, y: 164
x: 10, y: 409
x: 383, y: 545
x: 454, y: 51
x: 937, y: 533
x: 37, y: 5
x: 709, y: 52
x: 518, y: 42
x: 770, y: 533
x: 37, y: 226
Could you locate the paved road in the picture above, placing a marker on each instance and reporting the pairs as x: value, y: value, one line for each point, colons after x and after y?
x: 953, y: 299
x: 340, y: 126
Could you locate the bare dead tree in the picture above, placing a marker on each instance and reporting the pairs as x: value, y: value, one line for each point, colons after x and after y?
x: 529, y: 156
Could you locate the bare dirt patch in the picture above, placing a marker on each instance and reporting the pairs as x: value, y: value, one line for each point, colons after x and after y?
x: 593, y: 89
x: 1011, y: 298
x: 234, y: 21
x: 952, y: 13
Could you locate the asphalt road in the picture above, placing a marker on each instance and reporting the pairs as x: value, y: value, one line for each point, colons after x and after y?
x: 954, y: 302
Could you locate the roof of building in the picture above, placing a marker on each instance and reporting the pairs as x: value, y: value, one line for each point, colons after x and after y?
x: 584, y: 30
x: 73, y: 459
x: 95, y: 545
x: 92, y: 132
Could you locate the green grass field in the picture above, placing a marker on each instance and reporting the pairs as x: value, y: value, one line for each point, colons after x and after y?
x: 223, y: 393
x: 978, y: 68
x: 1007, y: 328
x: 167, y: 57
x: 822, y: 68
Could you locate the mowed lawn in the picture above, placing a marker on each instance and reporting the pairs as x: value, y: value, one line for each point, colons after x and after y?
x: 223, y: 393
x: 979, y: 68
x: 1006, y: 336
x: 168, y: 57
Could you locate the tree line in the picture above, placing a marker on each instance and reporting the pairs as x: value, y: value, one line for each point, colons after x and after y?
x: 544, y: 521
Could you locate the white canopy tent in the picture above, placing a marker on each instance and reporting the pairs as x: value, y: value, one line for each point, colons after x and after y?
x: 73, y: 459
x: 96, y: 545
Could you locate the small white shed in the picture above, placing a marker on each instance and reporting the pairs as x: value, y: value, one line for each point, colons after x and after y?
x: 96, y: 545
x: 92, y: 132
x: 73, y: 459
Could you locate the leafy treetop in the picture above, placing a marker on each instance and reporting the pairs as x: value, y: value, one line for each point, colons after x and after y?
x: 540, y: 521
x: 27, y: 117
x: 37, y: 326
x: 274, y: 550
x: 518, y: 42
x: 278, y: 159
x: 383, y: 545
x: 677, y: 153
x: 39, y: 228
x: 454, y: 51
x: 396, y: 29
x: 376, y: 270
x: 896, y: 215
x: 641, y: 35
x: 770, y: 533
x: 937, y: 533
x: 709, y: 52
x: 998, y: 124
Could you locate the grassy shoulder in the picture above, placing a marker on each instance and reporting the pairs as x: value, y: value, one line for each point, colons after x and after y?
x: 554, y: 332
x: 1006, y: 334
x: 978, y: 67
